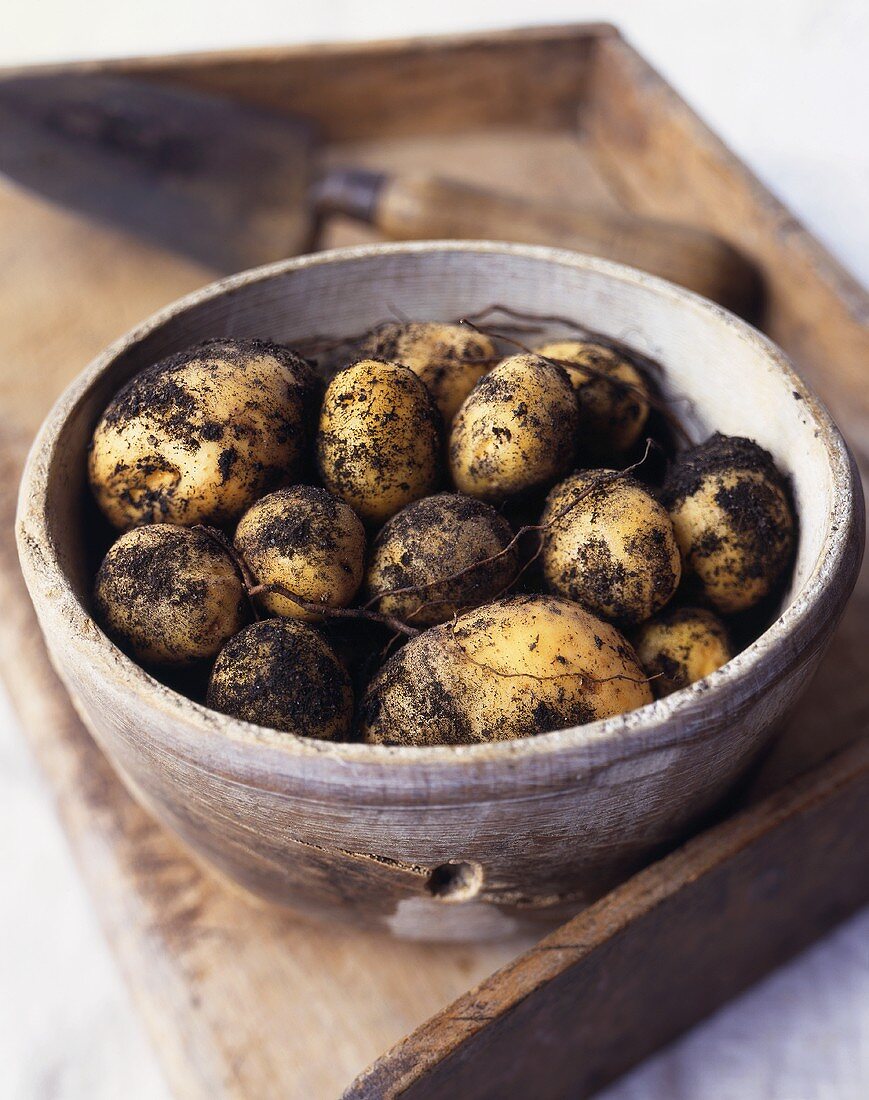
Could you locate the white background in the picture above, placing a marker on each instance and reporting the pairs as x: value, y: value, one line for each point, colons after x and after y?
x: 786, y: 82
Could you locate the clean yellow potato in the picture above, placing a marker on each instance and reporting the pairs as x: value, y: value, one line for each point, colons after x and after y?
x: 199, y: 436
x: 610, y: 546
x: 443, y: 536
x: 307, y: 541
x: 612, y: 394
x: 379, y: 442
x: 680, y: 647
x: 169, y: 596
x: 448, y: 358
x: 516, y: 432
x: 515, y: 668
x: 282, y: 674
x: 733, y: 520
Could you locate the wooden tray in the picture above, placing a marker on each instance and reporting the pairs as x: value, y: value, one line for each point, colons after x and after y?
x: 242, y: 1001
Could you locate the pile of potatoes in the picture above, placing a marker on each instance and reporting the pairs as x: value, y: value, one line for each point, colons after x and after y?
x: 439, y: 543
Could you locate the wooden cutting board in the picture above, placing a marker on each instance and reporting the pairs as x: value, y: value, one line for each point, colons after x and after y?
x: 241, y: 1001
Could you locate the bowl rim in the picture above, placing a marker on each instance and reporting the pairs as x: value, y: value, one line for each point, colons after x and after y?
x: 648, y: 725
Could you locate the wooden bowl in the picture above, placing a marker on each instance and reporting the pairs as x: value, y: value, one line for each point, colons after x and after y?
x: 445, y: 842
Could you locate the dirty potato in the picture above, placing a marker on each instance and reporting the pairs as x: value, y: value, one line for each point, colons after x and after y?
x: 379, y: 440
x: 439, y: 556
x: 169, y: 596
x: 516, y: 432
x: 612, y: 395
x: 679, y: 647
x: 733, y: 520
x: 199, y: 436
x: 609, y: 545
x: 514, y: 668
x: 304, y: 540
x: 448, y: 358
x: 282, y: 674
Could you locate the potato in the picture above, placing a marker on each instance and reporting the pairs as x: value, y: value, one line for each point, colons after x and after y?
x: 437, y: 538
x: 516, y: 431
x: 680, y: 647
x: 199, y: 436
x: 307, y: 541
x: 169, y: 596
x: 610, y: 546
x: 448, y: 358
x: 282, y: 674
x: 514, y: 668
x: 379, y: 441
x: 612, y: 394
x: 733, y: 520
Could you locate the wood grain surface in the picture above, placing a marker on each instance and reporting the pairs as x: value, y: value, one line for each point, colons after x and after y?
x: 242, y: 1002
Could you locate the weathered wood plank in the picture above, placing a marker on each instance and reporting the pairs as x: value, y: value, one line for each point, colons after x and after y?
x: 653, y: 957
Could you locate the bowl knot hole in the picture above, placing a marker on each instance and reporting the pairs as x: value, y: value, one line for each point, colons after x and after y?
x: 454, y: 881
